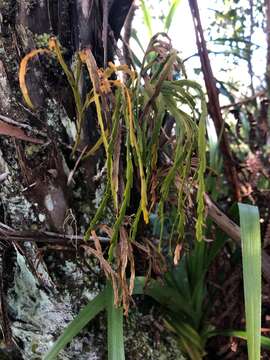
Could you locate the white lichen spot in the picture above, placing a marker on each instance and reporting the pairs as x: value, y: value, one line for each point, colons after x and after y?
x: 98, y: 195
x: 41, y: 217
x: 68, y: 125
x: 48, y: 202
x: 41, y: 316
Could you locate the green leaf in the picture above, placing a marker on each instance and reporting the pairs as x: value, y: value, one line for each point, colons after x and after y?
x: 171, y: 13
x: 169, y: 297
x: 251, y: 254
x: 134, y: 35
x: 265, y: 341
x: 114, y: 327
x: 94, y: 307
x: 147, y: 18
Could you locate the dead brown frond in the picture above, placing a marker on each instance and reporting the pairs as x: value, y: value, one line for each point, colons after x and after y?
x: 104, y: 264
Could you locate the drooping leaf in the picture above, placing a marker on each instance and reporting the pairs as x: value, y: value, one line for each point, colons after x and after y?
x: 23, y: 71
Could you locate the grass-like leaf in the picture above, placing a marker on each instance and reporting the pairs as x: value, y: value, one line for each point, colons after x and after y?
x: 114, y: 328
x: 94, y: 307
x: 251, y: 254
x: 171, y: 13
x: 147, y: 18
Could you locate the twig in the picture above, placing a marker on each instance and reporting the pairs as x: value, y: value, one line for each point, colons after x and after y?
x: 9, y: 234
x: 8, y: 120
x: 233, y: 231
x: 71, y: 174
x: 105, y: 32
x: 127, y: 33
x: 243, y: 101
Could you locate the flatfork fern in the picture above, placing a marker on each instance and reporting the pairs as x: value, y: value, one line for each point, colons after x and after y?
x: 131, y: 115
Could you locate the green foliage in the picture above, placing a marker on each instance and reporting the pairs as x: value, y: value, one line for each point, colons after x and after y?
x: 130, y: 131
x: 94, y: 307
x: 251, y: 252
x: 147, y: 18
x: 114, y: 327
x: 103, y: 301
x: 182, y: 295
x: 156, y: 98
x: 171, y: 14
x: 234, y: 36
x: 135, y: 120
x: 165, y: 21
x: 265, y: 341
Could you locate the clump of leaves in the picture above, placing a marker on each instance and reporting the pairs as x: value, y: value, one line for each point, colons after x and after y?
x: 132, y: 116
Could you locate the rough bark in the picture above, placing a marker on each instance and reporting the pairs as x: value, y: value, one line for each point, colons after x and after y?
x: 77, y: 24
x: 33, y: 178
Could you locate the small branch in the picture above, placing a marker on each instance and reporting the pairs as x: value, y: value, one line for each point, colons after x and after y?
x: 233, y: 231
x: 127, y: 33
x: 9, y: 234
x: 244, y: 101
x: 10, y: 121
x: 105, y: 32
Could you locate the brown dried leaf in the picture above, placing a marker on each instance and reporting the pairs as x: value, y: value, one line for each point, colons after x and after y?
x: 97, y: 242
x: 115, y: 167
x: 132, y: 269
x: 177, y: 253
x: 106, y: 229
x: 13, y: 131
x: 153, y: 189
x: 125, y: 256
x: 253, y: 163
x: 105, y: 266
x: 123, y: 245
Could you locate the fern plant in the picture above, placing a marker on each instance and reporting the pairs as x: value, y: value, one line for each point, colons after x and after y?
x: 131, y: 109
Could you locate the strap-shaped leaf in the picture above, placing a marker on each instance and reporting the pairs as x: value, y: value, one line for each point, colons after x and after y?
x: 251, y: 254
x: 114, y: 328
x: 171, y: 13
x: 94, y: 307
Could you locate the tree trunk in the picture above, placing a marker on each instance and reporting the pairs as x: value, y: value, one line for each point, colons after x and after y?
x: 43, y: 191
x: 35, y: 153
x: 77, y: 24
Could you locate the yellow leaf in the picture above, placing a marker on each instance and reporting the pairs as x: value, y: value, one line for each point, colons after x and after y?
x: 22, y: 73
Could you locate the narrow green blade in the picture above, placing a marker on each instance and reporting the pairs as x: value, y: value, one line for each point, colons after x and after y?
x: 85, y: 315
x: 147, y: 18
x: 251, y: 254
x: 114, y: 327
x: 171, y: 13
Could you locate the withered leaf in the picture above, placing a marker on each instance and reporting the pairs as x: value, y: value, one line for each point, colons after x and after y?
x: 13, y: 131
